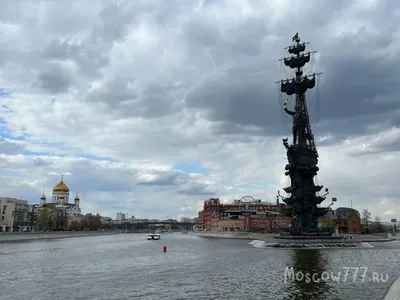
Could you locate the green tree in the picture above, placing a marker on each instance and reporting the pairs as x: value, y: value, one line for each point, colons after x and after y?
x: 43, y: 219
x: 328, y: 223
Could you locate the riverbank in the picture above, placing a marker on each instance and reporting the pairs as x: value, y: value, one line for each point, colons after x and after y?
x: 234, y: 235
x: 9, y: 237
x: 359, y: 238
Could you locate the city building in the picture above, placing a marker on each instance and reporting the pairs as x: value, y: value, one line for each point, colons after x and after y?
x: 14, y: 214
x: 346, y: 220
x: 59, y: 212
x: 121, y: 217
x: 188, y: 220
x: 239, y: 215
x: 60, y: 201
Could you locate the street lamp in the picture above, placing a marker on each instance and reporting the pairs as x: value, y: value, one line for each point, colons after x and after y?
x: 126, y: 222
x: 12, y: 220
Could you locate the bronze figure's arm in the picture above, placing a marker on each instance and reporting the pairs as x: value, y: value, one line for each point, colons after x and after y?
x: 286, y: 110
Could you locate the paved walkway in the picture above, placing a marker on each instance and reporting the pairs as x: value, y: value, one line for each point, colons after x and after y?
x: 30, y: 236
x: 394, y: 291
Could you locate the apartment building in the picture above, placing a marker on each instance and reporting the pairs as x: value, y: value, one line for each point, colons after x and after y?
x: 14, y: 214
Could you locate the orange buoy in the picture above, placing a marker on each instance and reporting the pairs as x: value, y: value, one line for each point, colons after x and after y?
x: 164, y: 249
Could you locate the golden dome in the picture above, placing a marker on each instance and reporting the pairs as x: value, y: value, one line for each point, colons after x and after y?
x: 77, y: 197
x: 61, y: 187
x: 43, y: 197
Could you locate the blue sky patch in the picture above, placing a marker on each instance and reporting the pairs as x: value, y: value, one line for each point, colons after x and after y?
x: 91, y: 157
x: 191, y: 168
x: 246, y: 187
x: 18, y: 138
x: 227, y: 182
x: 29, y: 153
x: 270, y: 182
x: 4, y: 93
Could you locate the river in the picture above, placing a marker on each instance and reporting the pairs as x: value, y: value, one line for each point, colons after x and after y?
x: 127, y: 266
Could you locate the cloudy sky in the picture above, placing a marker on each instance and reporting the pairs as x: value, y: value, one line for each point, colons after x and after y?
x: 151, y: 107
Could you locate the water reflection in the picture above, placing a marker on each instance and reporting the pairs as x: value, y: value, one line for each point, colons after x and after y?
x: 304, y: 280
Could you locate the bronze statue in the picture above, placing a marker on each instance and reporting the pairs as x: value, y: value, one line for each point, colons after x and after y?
x: 302, y: 154
x: 296, y: 119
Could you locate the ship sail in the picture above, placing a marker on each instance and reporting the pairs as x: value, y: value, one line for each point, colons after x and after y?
x: 303, y: 202
x: 296, y: 49
x: 298, y: 86
x: 297, y: 62
x: 293, y: 86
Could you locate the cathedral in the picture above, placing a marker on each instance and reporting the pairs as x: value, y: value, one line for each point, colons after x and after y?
x: 60, y: 198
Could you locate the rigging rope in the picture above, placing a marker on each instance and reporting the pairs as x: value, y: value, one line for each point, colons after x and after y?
x: 313, y: 96
x: 313, y: 105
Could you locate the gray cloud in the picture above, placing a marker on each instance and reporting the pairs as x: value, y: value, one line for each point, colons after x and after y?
x: 56, y: 80
x: 200, y: 189
x: 152, y: 84
x: 8, y: 146
x: 40, y: 162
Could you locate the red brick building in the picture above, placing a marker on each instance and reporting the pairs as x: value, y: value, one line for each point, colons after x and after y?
x: 201, y: 221
x: 241, y: 216
x: 346, y: 220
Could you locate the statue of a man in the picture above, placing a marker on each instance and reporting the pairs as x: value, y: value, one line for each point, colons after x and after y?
x: 296, y: 119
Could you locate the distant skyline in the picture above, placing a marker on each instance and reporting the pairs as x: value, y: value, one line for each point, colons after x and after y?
x: 150, y: 108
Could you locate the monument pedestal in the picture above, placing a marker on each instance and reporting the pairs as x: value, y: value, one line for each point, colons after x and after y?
x: 335, y: 241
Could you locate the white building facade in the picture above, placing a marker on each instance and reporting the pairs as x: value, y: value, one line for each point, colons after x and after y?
x: 13, y: 214
x: 60, y: 198
x: 121, y: 217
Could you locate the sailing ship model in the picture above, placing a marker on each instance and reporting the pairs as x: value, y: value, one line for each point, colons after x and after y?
x: 303, y: 202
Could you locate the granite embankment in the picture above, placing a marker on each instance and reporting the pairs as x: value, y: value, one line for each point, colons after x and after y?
x: 268, y: 236
x: 233, y: 235
x: 393, y: 293
x: 7, y: 237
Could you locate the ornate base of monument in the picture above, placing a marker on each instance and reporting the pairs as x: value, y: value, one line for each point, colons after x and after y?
x: 302, y: 237
x: 303, y: 203
x: 308, y: 234
x: 312, y: 242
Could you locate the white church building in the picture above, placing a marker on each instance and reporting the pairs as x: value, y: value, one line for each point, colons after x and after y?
x: 60, y: 197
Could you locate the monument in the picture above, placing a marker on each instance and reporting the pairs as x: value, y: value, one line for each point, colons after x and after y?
x: 303, y: 204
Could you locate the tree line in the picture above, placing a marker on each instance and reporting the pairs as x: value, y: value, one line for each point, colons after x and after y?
x: 369, y: 226
x: 53, y: 219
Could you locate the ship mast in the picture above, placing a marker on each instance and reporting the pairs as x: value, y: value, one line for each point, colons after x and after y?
x: 299, y: 85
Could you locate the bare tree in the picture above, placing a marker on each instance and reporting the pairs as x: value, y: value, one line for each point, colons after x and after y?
x: 378, y: 225
x: 366, y: 219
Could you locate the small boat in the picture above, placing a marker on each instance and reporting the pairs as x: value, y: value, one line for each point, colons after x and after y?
x: 154, y: 236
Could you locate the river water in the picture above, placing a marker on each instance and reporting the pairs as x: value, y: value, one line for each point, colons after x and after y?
x: 127, y: 266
